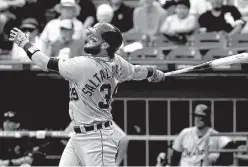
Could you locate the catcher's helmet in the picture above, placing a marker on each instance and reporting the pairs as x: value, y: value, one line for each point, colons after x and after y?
x: 108, y: 33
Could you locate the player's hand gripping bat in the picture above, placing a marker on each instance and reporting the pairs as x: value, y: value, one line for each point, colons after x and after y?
x: 238, y: 58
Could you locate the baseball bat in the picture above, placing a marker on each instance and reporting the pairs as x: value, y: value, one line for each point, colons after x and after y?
x: 238, y: 58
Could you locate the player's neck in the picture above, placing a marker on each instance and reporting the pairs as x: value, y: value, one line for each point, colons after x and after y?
x: 102, y: 55
x: 201, y: 131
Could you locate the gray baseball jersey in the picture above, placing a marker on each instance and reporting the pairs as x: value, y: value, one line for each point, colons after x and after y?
x: 93, y: 81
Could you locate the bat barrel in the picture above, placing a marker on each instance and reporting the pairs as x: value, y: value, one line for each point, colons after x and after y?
x: 239, y: 58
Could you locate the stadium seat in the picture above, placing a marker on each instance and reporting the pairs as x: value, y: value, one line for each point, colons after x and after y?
x: 238, y: 42
x: 162, y: 41
x: 132, y: 37
x: 147, y: 53
x: 184, y: 54
x: 220, y: 53
x: 164, y: 44
x: 208, y: 41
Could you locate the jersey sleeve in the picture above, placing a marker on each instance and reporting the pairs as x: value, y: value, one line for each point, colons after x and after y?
x: 126, y: 69
x: 178, y: 143
x: 223, y: 141
x: 73, y: 68
x: 236, y: 15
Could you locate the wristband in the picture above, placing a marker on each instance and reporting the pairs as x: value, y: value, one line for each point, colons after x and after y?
x: 30, y: 49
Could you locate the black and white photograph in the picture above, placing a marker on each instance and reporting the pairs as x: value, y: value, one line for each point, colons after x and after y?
x: 157, y: 83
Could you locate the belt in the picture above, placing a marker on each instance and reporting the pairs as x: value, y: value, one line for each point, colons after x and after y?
x: 83, y: 128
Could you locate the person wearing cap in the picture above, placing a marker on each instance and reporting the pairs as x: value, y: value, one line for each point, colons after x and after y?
x: 28, y: 25
x: 169, y: 6
x: 182, y: 23
x: 68, y: 9
x: 190, y: 146
x: 65, y: 46
x: 123, y: 15
x: 14, y: 151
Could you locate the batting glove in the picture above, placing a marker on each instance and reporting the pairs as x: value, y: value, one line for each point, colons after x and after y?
x: 19, y: 37
x: 157, y: 76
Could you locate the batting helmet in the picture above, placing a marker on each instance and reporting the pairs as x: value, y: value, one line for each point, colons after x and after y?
x: 203, y: 110
x: 108, y: 33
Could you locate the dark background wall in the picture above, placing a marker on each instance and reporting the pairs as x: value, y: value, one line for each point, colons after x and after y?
x: 42, y: 101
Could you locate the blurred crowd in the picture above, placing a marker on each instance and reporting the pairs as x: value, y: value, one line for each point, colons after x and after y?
x: 59, y: 27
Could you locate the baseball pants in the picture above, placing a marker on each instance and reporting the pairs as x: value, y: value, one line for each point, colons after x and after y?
x: 93, y: 148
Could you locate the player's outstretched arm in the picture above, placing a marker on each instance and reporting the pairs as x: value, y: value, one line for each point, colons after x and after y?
x: 144, y: 72
x: 129, y: 71
x: 22, y: 40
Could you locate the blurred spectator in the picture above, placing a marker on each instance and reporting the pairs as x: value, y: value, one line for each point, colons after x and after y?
x: 199, y: 7
x: 123, y: 15
x: 68, y: 9
x: 222, y: 18
x: 5, y: 14
x: 37, y: 9
x: 242, y: 6
x: 29, y: 25
x: 181, y: 24
x: 148, y: 18
x: 8, y: 18
x: 169, y: 6
x: 65, y: 46
x: 104, y: 13
x: 190, y: 146
x: 88, y: 13
x: 14, y: 151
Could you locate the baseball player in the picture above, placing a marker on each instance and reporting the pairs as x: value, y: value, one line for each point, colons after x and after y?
x: 190, y: 147
x: 93, y: 80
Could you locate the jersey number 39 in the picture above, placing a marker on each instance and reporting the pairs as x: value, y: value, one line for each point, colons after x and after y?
x: 73, y: 94
x: 105, y: 89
